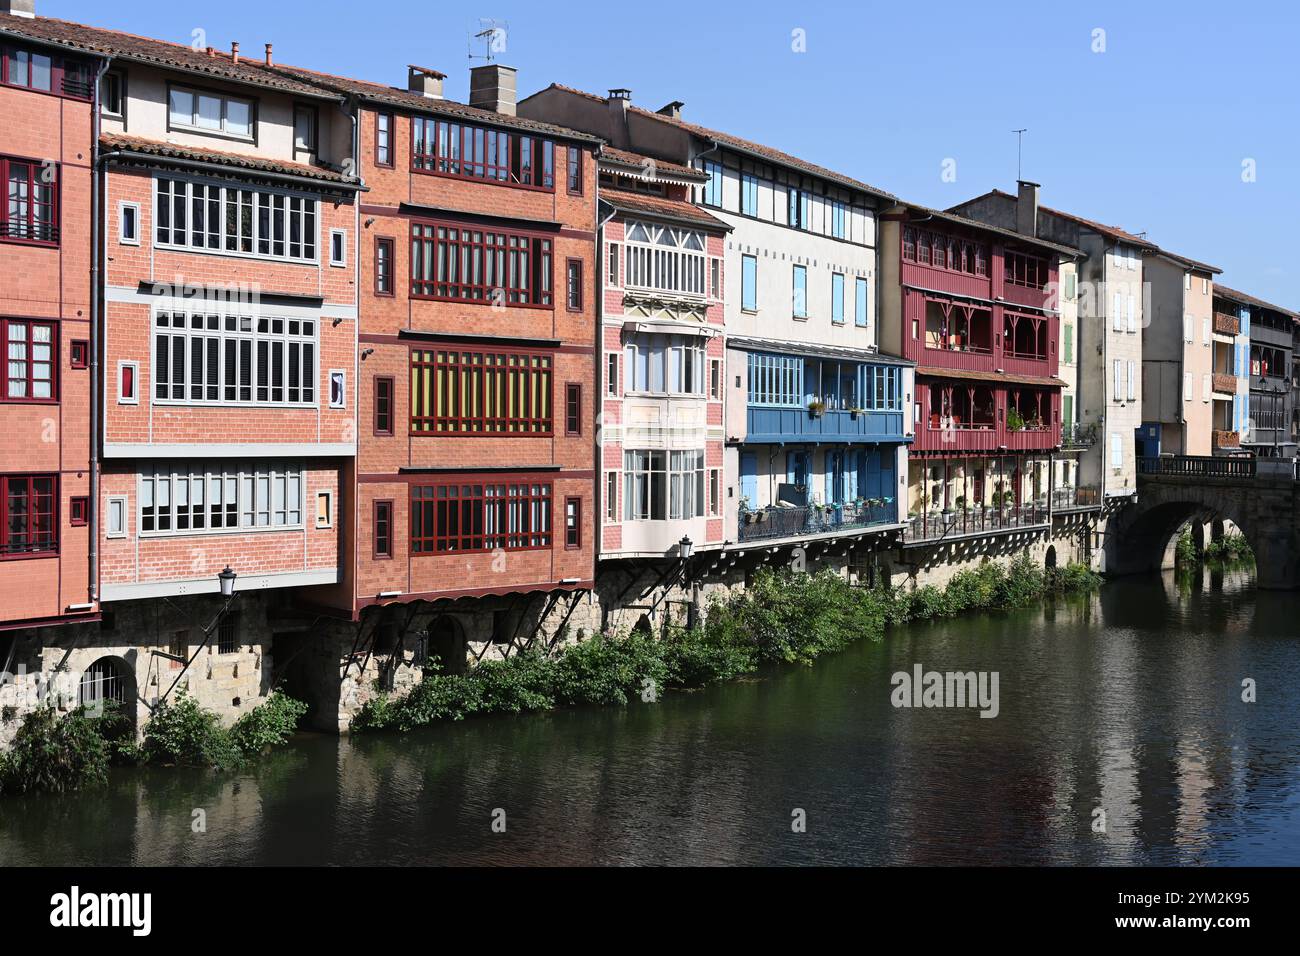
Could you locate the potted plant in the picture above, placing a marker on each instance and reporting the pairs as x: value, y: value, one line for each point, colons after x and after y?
x: 1014, y: 421
x: 855, y: 412
x: 961, y: 503
x: 816, y: 408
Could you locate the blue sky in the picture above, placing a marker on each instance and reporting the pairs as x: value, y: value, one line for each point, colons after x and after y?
x: 1150, y: 134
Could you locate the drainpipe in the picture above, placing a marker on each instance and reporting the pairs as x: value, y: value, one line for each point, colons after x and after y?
x: 352, y: 107
x: 98, y: 250
x: 597, y: 382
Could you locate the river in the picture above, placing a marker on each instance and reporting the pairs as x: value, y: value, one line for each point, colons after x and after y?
x: 1128, y: 701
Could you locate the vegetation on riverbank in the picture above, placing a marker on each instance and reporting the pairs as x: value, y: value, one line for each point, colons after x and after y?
x: 65, y: 753
x: 782, y: 616
x: 1231, y: 549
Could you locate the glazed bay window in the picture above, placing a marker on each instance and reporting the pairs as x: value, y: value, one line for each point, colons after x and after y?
x: 665, y: 259
x: 776, y: 380
x: 187, y: 498
x: 480, y: 393
x: 218, y: 218
x: 31, y: 205
x: 477, y: 265
x: 661, y: 363
x: 207, y: 112
x: 477, y: 152
x: 38, y: 70
x: 663, y: 484
x: 464, y: 517
x: 202, y: 358
x: 28, y: 518
x: 29, y: 360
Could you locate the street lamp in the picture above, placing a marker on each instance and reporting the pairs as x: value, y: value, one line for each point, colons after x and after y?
x: 686, y: 547
x: 226, y: 581
x: 226, y: 587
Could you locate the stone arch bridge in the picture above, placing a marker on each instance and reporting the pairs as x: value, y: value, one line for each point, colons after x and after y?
x: 1262, y: 502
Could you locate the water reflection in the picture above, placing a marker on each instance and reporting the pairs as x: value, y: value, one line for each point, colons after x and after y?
x: 1128, y: 701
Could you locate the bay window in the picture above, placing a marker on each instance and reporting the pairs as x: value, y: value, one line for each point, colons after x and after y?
x: 202, y: 358
x: 28, y: 515
x: 37, y: 70
x: 478, y: 265
x: 30, y: 365
x: 218, y: 218
x: 30, y: 211
x: 480, y: 393
x: 671, y: 364
x: 467, y: 517
x: 663, y: 484
x: 665, y: 259
x: 187, y: 498
x: 478, y: 152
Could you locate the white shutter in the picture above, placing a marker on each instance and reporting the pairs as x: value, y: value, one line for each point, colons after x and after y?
x: 1132, y: 319
x: 1187, y: 386
x: 1132, y: 381
x: 1116, y: 450
x: 1118, y: 322
x: 1205, y: 331
x: 1119, y: 381
x: 1187, y: 328
x: 1205, y: 387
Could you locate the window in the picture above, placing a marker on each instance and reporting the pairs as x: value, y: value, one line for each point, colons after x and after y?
x: 459, y: 149
x: 304, y: 128
x: 111, y: 98
x: 775, y: 380
x: 611, y: 375
x: 1187, y: 386
x: 207, y: 112
x: 324, y: 509
x: 748, y: 284
x: 715, y: 278
x: 1205, y: 330
x: 1132, y: 380
x: 573, y: 285
x: 749, y: 194
x: 1025, y: 270
x: 480, y: 393
x: 574, y: 184
x: 78, y: 511
x: 1132, y: 319
x: 128, y: 383
x: 79, y: 354
x: 1206, y: 386
x: 338, y: 388
x: 28, y: 517
x: 116, y: 517
x: 230, y: 219
x: 860, y: 316
x: 474, y: 265
x: 31, y: 208
x: 383, y: 266
x: 656, y: 362
x: 384, y: 139
x: 611, y: 496
x: 189, y: 497
x: 1119, y: 380
x: 1116, y: 450
x: 383, y: 529
x: 837, y: 298
x: 715, y: 492
x: 228, y: 633
x: 573, y: 409
x: 128, y: 223
x: 204, y: 358
x: 837, y: 210
x: 30, y: 360
x: 799, y: 306
x: 665, y: 258
x: 1067, y: 342
x: 1118, y: 313
x: 715, y: 379
x: 1070, y: 282
x: 1189, y: 328
x: 480, y: 517
x: 659, y: 484
x: 613, y: 264
x: 383, y: 406
x: 711, y: 192
x: 945, y: 252
x: 799, y: 200
x: 573, y: 522
x: 338, y: 247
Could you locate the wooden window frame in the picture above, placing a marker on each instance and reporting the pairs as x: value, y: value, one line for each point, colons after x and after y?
x: 572, y: 415
x: 573, y: 535
x: 79, y: 354
x: 376, y: 550
x: 431, y: 163
x: 29, y: 343
x: 31, y: 233
x: 391, y: 244
x: 52, y: 514
x: 471, y: 500
x: 537, y: 292
x: 428, y: 362
x: 78, y: 511
x: 392, y: 140
x: 575, y: 160
x: 382, y: 382
x: 573, y: 287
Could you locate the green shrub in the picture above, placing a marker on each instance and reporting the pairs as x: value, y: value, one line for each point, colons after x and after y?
x: 183, y: 733
x: 57, y: 753
x: 1185, y: 551
x: 269, y: 724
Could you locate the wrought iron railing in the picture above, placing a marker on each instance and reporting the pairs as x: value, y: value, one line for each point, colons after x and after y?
x: 1197, y: 466
x: 934, y: 525
x: 794, y: 522
x: 1083, y: 496
x: 1079, y: 435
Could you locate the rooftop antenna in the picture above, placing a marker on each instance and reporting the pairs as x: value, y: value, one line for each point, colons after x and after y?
x: 1020, y: 138
x: 493, y: 34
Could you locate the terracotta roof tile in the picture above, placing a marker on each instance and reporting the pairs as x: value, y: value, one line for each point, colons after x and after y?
x: 118, y: 141
x: 625, y: 157
x: 659, y: 206
x: 1113, y: 231
x: 1244, y: 299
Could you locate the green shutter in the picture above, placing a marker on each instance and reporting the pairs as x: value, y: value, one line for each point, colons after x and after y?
x: 1067, y: 410
x: 1069, y: 343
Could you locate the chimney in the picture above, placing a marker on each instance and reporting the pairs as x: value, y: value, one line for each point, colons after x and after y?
x: 673, y: 110
x: 619, y: 101
x: 234, y: 52
x: 426, y: 82
x: 18, y: 8
x: 1027, y: 208
x: 492, y: 87
x: 268, y: 55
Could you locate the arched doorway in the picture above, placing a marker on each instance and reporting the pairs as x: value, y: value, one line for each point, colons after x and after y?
x: 1049, y: 561
x: 447, y: 641
x: 109, y: 681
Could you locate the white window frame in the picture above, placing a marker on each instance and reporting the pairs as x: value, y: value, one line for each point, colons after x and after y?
x: 128, y: 399
x: 122, y: 208
x: 227, y: 193
x: 225, y: 99
x: 243, y: 477
x: 342, y: 236
x: 119, y: 502
x: 343, y: 388
x: 667, y: 261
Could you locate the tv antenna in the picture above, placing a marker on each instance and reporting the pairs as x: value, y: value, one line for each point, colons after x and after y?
x: 1020, y: 139
x: 492, y: 33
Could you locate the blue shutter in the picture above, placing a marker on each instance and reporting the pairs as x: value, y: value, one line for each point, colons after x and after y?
x: 749, y: 478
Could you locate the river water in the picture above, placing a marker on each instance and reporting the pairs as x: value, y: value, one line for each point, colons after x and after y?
x: 1127, y: 702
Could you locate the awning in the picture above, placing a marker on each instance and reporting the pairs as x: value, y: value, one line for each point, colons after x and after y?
x: 671, y: 327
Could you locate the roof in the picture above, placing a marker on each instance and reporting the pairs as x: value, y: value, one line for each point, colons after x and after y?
x: 409, y: 99
x: 150, y: 147
x: 1189, y: 263
x: 1244, y: 299
x: 785, y: 347
x: 1114, y: 232
x: 631, y: 160
x: 676, y: 209
x: 177, y: 56
x: 1046, y: 381
x: 743, y: 145
x: 952, y: 217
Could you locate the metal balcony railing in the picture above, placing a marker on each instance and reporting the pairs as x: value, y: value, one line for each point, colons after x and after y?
x: 1079, y: 435
x: 793, y: 522
x: 935, y: 525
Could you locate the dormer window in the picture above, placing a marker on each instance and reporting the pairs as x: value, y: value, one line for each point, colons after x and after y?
x: 205, y: 112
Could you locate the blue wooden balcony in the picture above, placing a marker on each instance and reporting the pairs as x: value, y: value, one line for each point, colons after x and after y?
x: 769, y: 425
